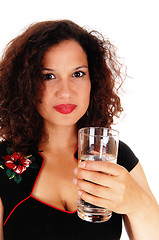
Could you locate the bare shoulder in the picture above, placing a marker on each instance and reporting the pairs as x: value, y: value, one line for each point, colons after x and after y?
x: 139, y: 176
x: 1, y: 220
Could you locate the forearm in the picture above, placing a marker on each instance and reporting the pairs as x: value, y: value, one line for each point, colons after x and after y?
x: 1, y: 235
x: 144, y: 222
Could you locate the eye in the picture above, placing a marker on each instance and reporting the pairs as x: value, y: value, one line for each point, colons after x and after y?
x: 79, y: 74
x: 49, y: 76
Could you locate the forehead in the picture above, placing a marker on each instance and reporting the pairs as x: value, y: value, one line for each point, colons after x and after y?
x: 66, y: 51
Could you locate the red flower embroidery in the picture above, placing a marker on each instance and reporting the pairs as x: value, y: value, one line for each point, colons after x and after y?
x: 17, y: 162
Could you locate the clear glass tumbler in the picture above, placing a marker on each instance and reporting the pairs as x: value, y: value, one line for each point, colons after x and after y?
x: 96, y: 144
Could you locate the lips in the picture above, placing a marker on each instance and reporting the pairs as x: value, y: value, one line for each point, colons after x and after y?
x: 65, y: 108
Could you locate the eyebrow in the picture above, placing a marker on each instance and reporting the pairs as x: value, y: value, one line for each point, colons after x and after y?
x: 82, y: 66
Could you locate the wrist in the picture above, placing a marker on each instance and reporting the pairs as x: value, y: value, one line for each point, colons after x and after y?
x: 142, y: 207
x: 143, y: 221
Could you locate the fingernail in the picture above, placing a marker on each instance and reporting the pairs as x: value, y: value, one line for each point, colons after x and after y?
x: 79, y: 193
x: 75, y: 181
x: 82, y: 164
x: 75, y: 170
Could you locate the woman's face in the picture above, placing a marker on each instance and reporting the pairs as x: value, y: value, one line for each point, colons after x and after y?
x: 67, y: 85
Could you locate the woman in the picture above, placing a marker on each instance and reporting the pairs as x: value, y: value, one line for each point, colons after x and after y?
x: 54, y: 79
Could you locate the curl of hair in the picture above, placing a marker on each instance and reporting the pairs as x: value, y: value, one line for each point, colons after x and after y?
x: 21, y: 81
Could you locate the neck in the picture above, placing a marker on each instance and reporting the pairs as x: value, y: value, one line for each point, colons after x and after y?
x: 59, y: 138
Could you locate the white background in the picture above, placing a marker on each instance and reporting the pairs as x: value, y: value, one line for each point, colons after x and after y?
x: 133, y: 26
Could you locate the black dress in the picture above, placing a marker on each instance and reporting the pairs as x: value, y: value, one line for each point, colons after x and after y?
x: 26, y: 217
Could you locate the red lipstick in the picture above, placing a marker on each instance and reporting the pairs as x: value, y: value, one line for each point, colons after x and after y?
x: 65, y: 108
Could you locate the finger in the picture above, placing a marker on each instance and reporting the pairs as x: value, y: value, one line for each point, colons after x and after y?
x: 102, y: 166
x: 97, y: 201
x: 94, y: 189
x: 96, y: 177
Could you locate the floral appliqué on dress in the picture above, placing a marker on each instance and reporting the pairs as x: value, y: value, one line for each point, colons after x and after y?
x: 15, y: 164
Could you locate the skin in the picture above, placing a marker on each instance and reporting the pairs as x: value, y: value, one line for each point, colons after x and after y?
x: 70, y: 83
x: 122, y: 192
x: 60, y: 185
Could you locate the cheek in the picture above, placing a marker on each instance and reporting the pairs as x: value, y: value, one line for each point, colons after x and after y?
x: 43, y: 105
x: 40, y: 108
x: 46, y: 96
x: 87, y: 92
x: 85, y: 97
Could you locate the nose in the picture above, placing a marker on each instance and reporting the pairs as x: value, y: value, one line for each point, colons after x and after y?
x: 64, y: 90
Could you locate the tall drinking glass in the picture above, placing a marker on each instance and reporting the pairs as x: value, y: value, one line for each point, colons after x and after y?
x: 96, y: 144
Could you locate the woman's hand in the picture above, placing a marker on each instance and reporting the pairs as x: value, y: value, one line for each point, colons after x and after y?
x: 108, y: 185
x: 111, y: 186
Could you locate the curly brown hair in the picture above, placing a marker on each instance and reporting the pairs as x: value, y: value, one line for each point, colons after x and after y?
x: 21, y: 80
